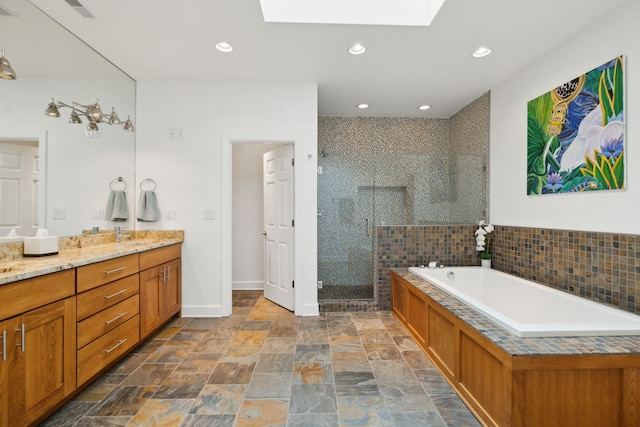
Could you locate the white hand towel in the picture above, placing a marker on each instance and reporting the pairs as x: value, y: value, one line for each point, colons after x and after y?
x: 148, y: 209
x: 117, y: 209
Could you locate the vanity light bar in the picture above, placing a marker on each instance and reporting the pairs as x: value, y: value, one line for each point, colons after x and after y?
x: 92, y: 112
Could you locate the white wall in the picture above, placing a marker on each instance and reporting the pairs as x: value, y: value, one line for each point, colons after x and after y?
x: 248, y: 214
x: 194, y: 174
x: 607, y: 211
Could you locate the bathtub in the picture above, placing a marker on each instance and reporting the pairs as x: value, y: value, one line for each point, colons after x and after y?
x: 528, y: 309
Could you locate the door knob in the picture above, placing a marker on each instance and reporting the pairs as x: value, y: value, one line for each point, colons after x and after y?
x: 264, y: 233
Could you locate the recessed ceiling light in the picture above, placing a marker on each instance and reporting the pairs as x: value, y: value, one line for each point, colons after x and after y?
x: 357, y: 49
x: 424, y: 107
x: 481, y: 51
x: 224, y: 47
x: 363, y: 106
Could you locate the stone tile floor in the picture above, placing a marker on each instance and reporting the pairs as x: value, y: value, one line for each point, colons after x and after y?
x: 263, y: 366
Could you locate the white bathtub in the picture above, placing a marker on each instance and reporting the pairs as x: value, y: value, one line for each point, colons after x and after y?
x: 528, y: 309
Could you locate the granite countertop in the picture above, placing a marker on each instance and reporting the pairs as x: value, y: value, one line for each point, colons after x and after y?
x: 24, y: 268
x: 514, y: 345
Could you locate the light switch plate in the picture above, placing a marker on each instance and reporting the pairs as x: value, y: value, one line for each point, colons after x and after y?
x: 175, y: 133
x: 58, y: 213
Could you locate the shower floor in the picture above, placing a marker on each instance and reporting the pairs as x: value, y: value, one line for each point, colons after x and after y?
x: 345, y: 292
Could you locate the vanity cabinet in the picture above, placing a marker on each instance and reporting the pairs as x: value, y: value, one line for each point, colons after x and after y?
x: 61, y: 330
x: 107, y: 313
x: 160, y: 287
x: 37, y: 365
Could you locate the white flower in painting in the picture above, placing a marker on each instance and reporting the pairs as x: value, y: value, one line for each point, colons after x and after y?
x: 592, y: 136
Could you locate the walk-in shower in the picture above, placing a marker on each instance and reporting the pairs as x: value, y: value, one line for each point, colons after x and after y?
x: 374, y: 172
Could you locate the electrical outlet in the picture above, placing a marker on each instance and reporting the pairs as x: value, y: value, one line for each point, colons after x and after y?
x: 170, y: 215
x: 319, y: 284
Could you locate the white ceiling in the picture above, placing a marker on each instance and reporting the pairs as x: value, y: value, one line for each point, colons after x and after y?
x: 402, y: 68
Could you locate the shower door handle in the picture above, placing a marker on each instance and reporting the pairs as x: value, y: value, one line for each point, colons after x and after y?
x: 366, y: 225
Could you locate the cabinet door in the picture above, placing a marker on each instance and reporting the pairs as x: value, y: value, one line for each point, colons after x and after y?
x: 49, y: 356
x: 398, y: 293
x: 171, y: 300
x: 11, y: 372
x: 40, y: 366
x: 4, y: 376
x: 150, y: 308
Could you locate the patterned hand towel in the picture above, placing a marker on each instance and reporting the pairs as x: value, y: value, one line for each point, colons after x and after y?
x: 117, y: 209
x: 148, y: 209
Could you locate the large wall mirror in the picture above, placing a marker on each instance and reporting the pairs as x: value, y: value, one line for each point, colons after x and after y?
x: 67, y: 172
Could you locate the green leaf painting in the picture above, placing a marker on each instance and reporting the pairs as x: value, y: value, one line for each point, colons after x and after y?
x: 575, y: 134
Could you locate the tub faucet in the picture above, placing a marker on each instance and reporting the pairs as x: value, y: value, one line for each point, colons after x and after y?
x: 433, y: 264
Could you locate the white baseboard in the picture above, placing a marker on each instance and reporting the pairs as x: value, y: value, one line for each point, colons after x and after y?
x: 202, y: 311
x: 247, y: 285
x: 309, y: 310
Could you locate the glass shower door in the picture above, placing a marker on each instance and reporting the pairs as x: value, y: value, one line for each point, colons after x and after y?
x: 345, y: 227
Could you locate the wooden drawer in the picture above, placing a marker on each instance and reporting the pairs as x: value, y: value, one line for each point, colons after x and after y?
x: 96, y: 300
x: 159, y: 256
x: 108, y: 319
x: 94, y: 275
x: 106, y: 349
x: 25, y: 295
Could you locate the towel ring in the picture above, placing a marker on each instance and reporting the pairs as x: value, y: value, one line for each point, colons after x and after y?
x: 116, y: 181
x: 148, y: 181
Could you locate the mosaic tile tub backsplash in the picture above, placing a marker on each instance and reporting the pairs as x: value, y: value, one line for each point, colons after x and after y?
x: 599, y: 266
x: 403, y: 246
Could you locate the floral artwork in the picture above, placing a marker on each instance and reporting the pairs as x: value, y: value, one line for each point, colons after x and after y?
x: 575, y: 134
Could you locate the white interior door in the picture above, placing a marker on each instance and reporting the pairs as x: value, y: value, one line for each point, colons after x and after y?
x: 278, y: 225
x: 19, y: 182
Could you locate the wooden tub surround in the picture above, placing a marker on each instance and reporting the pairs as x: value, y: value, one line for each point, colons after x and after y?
x: 510, y: 381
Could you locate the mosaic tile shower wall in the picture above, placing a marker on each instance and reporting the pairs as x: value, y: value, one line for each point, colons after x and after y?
x: 600, y: 266
x: 469, y: 149
x: 374, y: 171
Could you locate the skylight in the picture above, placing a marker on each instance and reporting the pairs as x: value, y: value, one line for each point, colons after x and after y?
x: 355, y: 12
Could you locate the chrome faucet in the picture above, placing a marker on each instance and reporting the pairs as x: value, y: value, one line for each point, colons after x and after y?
x: 119, y: 234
